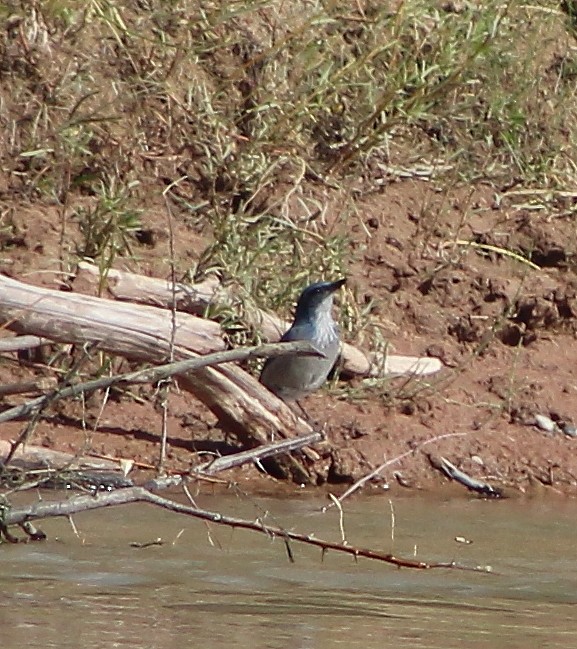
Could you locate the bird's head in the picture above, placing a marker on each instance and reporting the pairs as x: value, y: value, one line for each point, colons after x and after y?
x: 317, y: 299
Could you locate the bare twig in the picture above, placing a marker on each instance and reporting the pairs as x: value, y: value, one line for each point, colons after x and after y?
x: 338, y: 505
x: 393, y: 523
x: 166, y: 385
x: 258, y: 454
x: 375, y: 472
x: 66, y: 508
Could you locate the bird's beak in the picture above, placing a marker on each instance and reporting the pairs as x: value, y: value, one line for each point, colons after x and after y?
x: 334, y: 286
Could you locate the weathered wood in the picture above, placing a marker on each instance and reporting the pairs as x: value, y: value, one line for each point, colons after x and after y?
x: 453, y: 473
x: 39, y: 385
x: 20, y: 343
x: 258, y: 454
x: 38, y: 457
x: 196, y: 298
x: 249, y: 411
x: 132, y: 330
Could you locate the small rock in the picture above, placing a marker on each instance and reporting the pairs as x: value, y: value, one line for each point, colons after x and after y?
x: 570, y: 430
x: 545, y: 423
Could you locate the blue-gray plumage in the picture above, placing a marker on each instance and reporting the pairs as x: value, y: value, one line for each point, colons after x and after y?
x: 293, y: 377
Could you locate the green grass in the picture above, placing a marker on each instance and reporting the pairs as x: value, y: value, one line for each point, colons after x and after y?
x: 257, y: 111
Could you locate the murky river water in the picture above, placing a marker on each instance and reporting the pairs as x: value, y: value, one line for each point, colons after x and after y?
x: 98, y: 591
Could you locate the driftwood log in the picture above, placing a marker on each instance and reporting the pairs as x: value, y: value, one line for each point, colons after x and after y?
x: 133, y: 330
x: 38, y: 457
x: 147, y: 333
x: 247, y: 410
x: 195, y: 299
x: 30, y: 466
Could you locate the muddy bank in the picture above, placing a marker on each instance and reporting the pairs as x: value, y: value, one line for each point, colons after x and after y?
x: 504, y: 330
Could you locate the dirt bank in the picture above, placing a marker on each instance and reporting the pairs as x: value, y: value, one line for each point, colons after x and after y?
x: 504, y: 330
x: 414, y: 147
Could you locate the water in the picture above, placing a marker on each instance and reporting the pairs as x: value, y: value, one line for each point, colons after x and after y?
x: 97, y: 591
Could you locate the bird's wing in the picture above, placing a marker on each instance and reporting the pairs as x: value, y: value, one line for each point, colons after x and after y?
x: 301, y: 331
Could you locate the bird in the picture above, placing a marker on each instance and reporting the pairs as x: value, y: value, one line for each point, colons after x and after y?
x: 293, y: 377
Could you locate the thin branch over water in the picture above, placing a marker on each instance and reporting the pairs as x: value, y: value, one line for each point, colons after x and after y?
x: 42, y: 509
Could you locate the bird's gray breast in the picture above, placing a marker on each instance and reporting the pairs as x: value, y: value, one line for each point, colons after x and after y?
x: 291, y: 377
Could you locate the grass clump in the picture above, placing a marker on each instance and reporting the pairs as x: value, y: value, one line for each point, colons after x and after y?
x: 106, y: 224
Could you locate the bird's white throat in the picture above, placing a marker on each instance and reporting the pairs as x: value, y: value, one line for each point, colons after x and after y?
x: 326, y: 330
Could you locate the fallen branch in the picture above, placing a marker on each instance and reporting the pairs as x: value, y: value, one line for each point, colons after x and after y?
x: 244, y: 407
x: 66, y: 508
x: 20, y: 343
x: 161, y: 372
x: 451, y: 471
x: 258, y: 454
x: 37, y: 457
x: 195, y: 299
